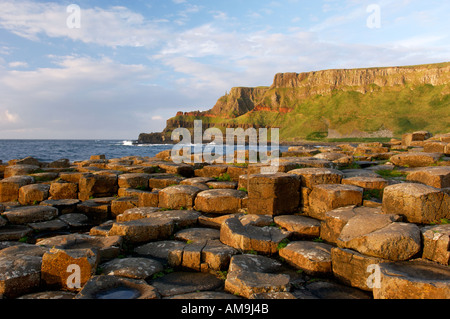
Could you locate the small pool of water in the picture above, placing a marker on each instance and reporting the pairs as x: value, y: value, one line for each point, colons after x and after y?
x: 119, y: 293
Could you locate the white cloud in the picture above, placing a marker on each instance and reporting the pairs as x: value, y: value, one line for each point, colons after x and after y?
x: 18, y: 64
x: 5, y: 50
x: 116, y: 26
x: 80, y: 97
x: 219, y: 15
x: 183, y: 16
x: 99, y: 97
x: 421, y: 41
x: 8, y: 117
x: 83, y: 97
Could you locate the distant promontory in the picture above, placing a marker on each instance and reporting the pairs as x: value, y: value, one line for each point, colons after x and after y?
x: 345, y: 103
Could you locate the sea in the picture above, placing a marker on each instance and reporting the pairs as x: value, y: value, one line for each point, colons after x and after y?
x: 78, y: 150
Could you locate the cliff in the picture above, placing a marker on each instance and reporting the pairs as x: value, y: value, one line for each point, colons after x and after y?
x: 370, y: 102
x: 239, y: 101
x: 324, y: 82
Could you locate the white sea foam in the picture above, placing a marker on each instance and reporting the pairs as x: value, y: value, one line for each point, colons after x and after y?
x: 127, y: 143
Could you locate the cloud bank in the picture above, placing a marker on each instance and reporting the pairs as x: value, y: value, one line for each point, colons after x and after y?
x: 123, y: 72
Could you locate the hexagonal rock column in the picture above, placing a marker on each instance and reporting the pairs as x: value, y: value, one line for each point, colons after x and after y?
x: 134, y: 180
x: 143, y: 230
x: 34, y: 193
x: 202, y: 256
x: 163, y: 180
x: 121, y: 204
x: 126, y: 192
x: 419, y: 137
x: 72, y: 177
x: 159, y: 250
x: 180, y: 218
x: 314, y: 258
x: 222, y: 185
x: 366, y: 182
x: 63, y: 190
x: 436, y: 243
x: 178, y: 283
x: 436, y: 147
x: 378, y: 235
x: 31, y: 214
x: 18, y: 170
x: 219, y: 201
x: 60, y: 268
x: 273, y: 194
x: 97, y: 210
x: 417, y: 203
x: 250, y: 262
x: 132, y: 267
x: 216, y: 256
x: 211, y: 171
x: 309, y: 177
x: 96, y: 185
x: 184, y: 170
x: 76, y: 221
x: 14, y: 232
x: 312, y: 162
x: 336, y: 219
x: 148, y: 199
x: 60, y: 163
x: 188, y: 256
x: 247, y: 283
x: 256, y: 220
x: 196, y: 180
x: 64, y: 206
x: 178, y: 197
x: 354, y: 269
x: 300, y: 226
x: 413, y: 280
x: 216, y: 222
x: 236, y: 171
x: 20, y: 273
x: 136, y: 213
x: 197, y: 235
x: 327, y: 197
x: 438, y: 177
x: 106, y: 247
x: 250, y: 274
x: 415, y: 159
x: 9, y: 187
x: 251, y: 238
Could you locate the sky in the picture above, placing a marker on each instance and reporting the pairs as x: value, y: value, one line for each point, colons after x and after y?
x: 113, y: 69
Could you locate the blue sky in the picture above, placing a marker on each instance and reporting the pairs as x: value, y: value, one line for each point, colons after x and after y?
x: 131, y: 65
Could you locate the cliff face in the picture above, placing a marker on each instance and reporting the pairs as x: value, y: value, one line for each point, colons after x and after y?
x: 390, y: 99
x: 239, y: 101
x: 324, y: 82
x: 305, y: 85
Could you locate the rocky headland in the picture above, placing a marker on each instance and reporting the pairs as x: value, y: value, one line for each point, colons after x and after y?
x: 346, y: 103
x: 359, y: 221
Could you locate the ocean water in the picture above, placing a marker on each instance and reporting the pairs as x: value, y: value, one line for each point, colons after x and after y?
x: 78, y: 150
x: 74, y: 150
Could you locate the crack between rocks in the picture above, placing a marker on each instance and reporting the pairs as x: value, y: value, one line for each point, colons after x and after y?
x: 440, y: 204
x: 201, y: 254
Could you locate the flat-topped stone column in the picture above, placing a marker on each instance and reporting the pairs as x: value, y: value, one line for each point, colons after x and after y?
x: 273, y: 194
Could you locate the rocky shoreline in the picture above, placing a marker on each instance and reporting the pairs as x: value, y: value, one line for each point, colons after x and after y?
x: 347, y: 221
